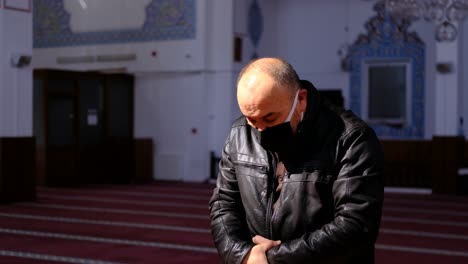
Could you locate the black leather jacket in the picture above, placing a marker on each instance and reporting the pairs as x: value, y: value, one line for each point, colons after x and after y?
x: 330, y: 202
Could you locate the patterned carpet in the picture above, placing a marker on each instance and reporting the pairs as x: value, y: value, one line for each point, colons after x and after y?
x: 169, y: 223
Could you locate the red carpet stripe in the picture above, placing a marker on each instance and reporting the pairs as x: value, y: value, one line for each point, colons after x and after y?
x: 124, y: 201
x: 172, y: 237
x: 106, y: 223
x: 115, y: 211
x: 109, y: 240
x: 394, y: 255
x: 447, y: 229
x: 103, y: 251
x: 426, y: 211
x: 185, y: 199
x: 170, y: 188
x: 29, y: 255
x: 406, y: 220
x: 438, y: 198
x: 430, y: 251
x: 422, y: 242
x: 202, y: 198
x: 433, y: 204
x: 124, y: 206
x: 16, y: 260
x: 107, y: 216
x: 422, y: 234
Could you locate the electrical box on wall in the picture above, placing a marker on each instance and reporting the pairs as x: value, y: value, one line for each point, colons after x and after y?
x: 444, y: 67
x: 20, y: 60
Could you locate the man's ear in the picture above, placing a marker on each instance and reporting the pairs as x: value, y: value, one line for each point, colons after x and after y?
x: 302, y: 100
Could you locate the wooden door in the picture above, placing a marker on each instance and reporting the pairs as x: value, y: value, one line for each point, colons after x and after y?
x: 85, y: 123
x: 62, y: 160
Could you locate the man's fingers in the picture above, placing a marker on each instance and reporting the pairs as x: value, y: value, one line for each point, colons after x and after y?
x: 259, y: 239
x: 267, y: 245
x: 272, y: 243
x: 265, y: 242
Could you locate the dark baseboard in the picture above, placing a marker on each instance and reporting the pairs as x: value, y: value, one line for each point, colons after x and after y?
x: 432, y: 164
x: 17, y: 169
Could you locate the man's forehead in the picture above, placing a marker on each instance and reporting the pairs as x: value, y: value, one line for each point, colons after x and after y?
x: 255, y: 110
x: 258, y: 95
x: 258, y: 102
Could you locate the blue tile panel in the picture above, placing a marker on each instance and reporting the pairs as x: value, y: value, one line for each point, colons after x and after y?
x: 165, y: 20
x: 388, y: 38
x: 255, y: 26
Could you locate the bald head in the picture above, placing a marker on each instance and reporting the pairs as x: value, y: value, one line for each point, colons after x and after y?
x: 265, y: 91
x: 278, y: 69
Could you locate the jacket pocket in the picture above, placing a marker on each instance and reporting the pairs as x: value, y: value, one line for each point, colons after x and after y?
x: 250, y: 169
x: 305, y: 203
x: 314, y: 176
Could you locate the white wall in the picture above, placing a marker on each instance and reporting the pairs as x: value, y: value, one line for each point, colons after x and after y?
x: 220, y: 71
x: 168, y: 106
x: 268, y: 46
x: 15, y: 83
x: 188, y: 113
x: 309, y: 34
x: 172, y: 55
x: 185, y: 98
x: 425, y: 31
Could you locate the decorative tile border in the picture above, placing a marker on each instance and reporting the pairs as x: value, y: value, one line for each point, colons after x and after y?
x: 165, y: 20
x: 17, y: 5
x: 255, y: 26
x: 389, y: 39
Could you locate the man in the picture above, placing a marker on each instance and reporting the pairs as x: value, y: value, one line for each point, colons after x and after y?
x: 300, y: 181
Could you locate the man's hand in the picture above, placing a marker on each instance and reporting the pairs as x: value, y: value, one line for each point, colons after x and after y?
x: 257, y: 255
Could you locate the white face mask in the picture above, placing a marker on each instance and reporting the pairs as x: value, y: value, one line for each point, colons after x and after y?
x: 278, y: 138
x: 293, y: 108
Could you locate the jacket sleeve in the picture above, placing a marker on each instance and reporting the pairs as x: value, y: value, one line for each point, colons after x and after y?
x: 228, y: 224
x: 358, y: 198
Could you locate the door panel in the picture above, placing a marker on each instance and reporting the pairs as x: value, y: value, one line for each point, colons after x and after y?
x: 61, y: 122
x: 119, y: 143
x: 61, y: 141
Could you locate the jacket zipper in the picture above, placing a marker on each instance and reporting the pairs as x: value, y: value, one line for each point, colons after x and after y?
x: 286, y: 174
x: 271, y: 189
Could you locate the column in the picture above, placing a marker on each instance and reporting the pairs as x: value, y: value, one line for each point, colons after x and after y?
x: 17, y: 147
x: 448, y: 86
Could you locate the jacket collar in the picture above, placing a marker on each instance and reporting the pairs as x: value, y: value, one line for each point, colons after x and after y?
x: 307, y: 129
x: 314, y: 102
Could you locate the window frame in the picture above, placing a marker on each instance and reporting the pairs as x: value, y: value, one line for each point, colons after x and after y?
x: 406, y: 118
